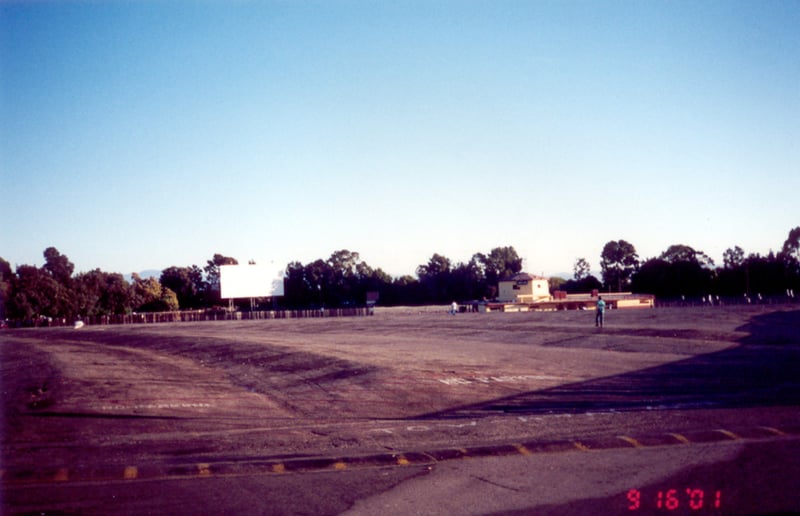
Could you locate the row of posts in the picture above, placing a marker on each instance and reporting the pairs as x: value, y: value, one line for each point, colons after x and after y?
x: 220, y: 315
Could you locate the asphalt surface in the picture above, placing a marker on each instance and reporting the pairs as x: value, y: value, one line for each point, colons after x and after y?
x: 691, y: 410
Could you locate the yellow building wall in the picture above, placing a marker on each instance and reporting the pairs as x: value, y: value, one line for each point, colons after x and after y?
x: 523, y: 292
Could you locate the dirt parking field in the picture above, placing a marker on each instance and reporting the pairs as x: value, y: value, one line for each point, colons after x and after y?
x: 404, y: 379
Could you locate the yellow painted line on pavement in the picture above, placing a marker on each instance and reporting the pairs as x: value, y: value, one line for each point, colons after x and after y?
x: 402, y: 461
x: 204, y: 469
x: 339, y: 466
x: 62, y: 475
x: 278, y: 468
x: 728, y: 433
x: 773, y: 430
x: 580, y: 446
x: 631, y: 441
x: 681, y: 438
x: 522, y: 449
x: 130, y: 473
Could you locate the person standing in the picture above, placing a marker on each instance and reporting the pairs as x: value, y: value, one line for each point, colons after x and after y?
x: 599, y: 312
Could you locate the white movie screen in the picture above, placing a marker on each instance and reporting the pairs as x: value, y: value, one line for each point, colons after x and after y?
x: 247, y: 281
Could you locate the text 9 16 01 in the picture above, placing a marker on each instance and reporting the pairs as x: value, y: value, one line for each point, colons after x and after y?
x: 689, y: 498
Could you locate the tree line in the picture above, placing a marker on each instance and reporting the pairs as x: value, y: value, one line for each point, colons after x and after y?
x: 31, y: 294
x: 684, y: 272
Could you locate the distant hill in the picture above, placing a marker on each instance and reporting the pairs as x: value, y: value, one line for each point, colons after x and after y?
x: 149, y: 273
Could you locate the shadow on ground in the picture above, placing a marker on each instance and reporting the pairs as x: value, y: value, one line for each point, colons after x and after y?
x: 763, y: 370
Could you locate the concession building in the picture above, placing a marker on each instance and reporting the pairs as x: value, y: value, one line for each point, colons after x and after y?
x: 525, y: 292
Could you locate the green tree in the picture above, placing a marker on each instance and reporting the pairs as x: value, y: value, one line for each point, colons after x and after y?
x: 404, y: 290
x: 6, y: 275
x: 187, y: 284
x: 618, y: 262
x: 733, y: 258
x: 35, y: 294
x: 343, y: 278
x: 555, y: 283
x: 371, y: 280
x: 500, y: 263
x: 58, y: 266
x: 437, y: 265
x: 652, y: 278
x: 212, y: 275
x: 679, y: 271
x: 467, y: 281
x: 319, y: 278
x: 60, y: 269
x: 731, y: 279
x: 102, y: 293
x: 297, y: 291
x: 683, y: 253
x: 587, y: 284
x: 169, y: 300
x: 343, y: 263
x: 791, y: 247
x: 767, y: 275
x: 581, y: 269
x: 150, y: 296
x: 435, y: 278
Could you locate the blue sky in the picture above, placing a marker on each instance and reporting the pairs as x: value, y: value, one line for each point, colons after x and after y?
x: 139, y: 135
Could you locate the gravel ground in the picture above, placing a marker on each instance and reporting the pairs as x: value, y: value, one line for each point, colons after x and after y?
x: 312, y: 386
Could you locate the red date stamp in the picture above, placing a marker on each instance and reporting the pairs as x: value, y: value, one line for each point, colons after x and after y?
x: 694, y: 499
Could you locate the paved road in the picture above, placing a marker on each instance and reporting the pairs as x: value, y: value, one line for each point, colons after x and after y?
x: 407, y: 412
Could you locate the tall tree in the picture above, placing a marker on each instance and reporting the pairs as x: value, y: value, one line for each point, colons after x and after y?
x: 767, y: 275
x: 733, y: 257
x: 672, y: 279
x: 435, y: 278
x: 212, y: 269
x: 343, y: 287
x: 555, y: 283
x: 5, y: 286
x: 319, y: 278
x: 581, y: 269
x: 618, y: 262
x: 149, y: 295
x: 372, y: 280
x: 58, y: 266
x: 186, y: 283
x: 683, y: 253
x: 437, y: 265
x: 35, y: 294
x: 500, y: 263
x: 297, y: 292
x: 343, y: 262
x: 102, y: 293
x: 405, y: 290
x: 791, y: 247
x: 467, y: 281
x: 651, y: 278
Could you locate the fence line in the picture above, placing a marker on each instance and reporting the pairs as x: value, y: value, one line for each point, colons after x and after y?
x: 218, y: 315
x: 756, y: 299
x: 222, y: 315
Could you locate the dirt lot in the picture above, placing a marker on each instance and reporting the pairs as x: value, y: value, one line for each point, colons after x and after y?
x: 402, y: 379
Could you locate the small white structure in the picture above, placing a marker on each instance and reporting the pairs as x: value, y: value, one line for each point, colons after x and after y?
x: 523, y: 288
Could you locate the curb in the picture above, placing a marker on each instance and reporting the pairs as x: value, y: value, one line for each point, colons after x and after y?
x: 276, y: 466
